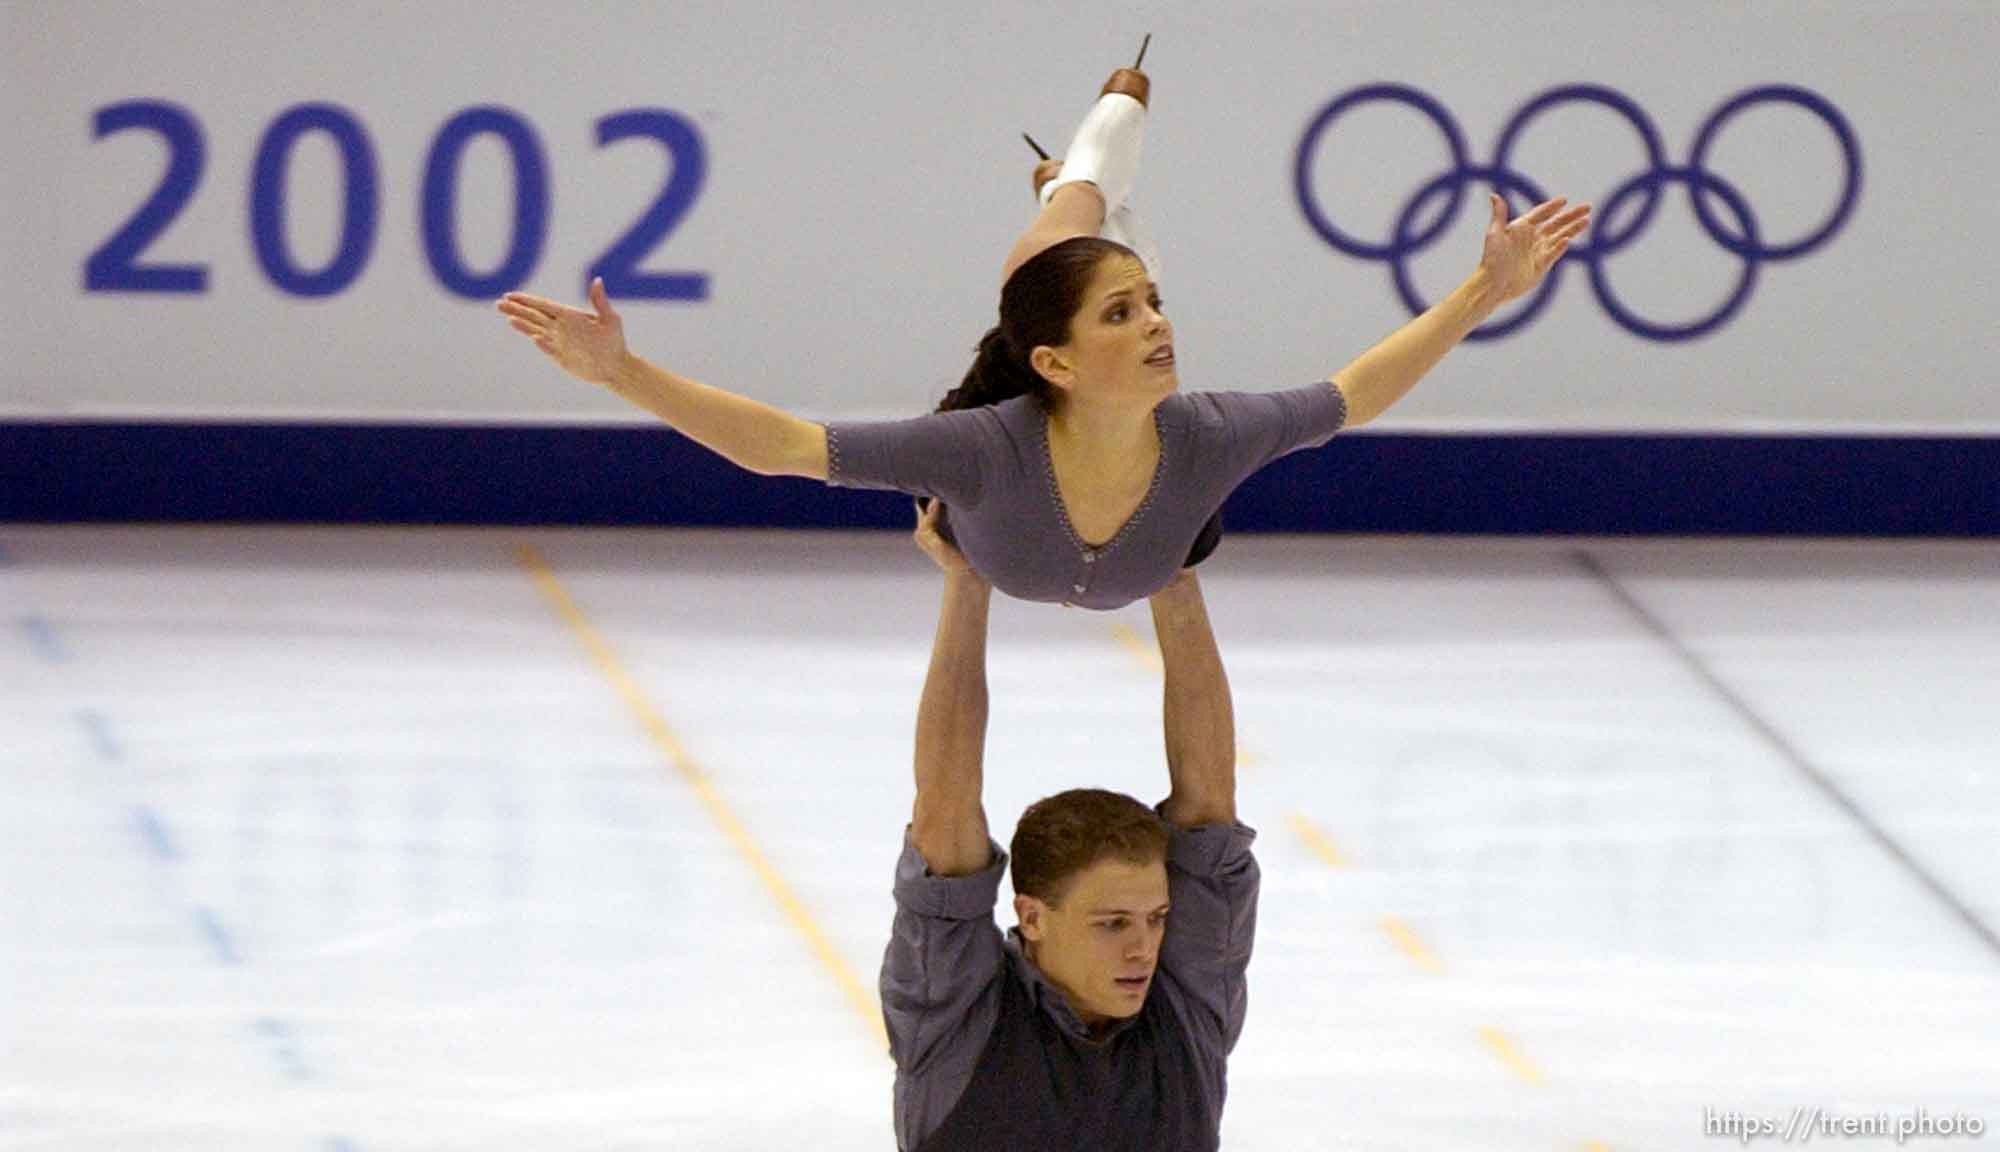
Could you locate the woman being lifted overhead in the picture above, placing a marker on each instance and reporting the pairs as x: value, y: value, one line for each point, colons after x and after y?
x: 1071, y: 466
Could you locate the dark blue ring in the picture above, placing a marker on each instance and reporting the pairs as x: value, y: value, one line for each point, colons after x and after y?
x: 1694, y: 178
x: 1303, y: 165
x: 1599, y: 241
x: 1502, y: 180
x: 1850, y: 148
x: 1608, y: 237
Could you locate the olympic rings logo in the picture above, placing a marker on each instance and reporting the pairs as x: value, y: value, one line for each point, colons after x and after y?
x: 1610, y: 235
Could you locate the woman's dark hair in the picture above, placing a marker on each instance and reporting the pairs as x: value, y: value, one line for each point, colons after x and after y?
x: 1061, y: 835
x: 1036, y: 304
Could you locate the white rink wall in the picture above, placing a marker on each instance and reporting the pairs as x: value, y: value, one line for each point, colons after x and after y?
x: 861, y: 175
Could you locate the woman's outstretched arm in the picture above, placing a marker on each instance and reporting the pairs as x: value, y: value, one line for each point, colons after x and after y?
x: 1517, y: 254
x: 750, y: 434
x: 591, y: 346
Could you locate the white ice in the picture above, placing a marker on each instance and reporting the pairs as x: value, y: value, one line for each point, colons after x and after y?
x: 344, y: 840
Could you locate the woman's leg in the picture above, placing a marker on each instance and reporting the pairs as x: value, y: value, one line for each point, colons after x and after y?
x: 1097, y: 170
x: 1075, y: 210
x: 1121, y: 224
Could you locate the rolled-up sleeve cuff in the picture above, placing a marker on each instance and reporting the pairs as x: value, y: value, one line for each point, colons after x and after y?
x: 1338, y: 415
x: 1209, y: 850
x: 1326, y: 413
x: 922, y: 893
x: 835, y: 473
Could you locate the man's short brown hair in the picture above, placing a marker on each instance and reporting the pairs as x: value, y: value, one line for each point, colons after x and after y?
x: 1061, y: 835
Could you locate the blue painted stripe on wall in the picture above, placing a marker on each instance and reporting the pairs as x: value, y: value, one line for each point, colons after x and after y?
x: 1569, y: 484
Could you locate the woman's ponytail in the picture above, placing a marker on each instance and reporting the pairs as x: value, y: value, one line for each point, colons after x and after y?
x: 1036, y: 305
x: 996, y: 374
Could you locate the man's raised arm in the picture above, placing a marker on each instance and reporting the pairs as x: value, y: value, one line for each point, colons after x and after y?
x: 940, y: 970
x: 949, y: 824
x: 1200, y: 716
x: 1212, y: 877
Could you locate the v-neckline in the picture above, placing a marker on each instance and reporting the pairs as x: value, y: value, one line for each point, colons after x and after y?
x: 1062, y: 509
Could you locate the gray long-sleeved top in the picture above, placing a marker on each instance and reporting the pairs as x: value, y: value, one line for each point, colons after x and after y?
x: 991, y: 467
x: 946, y: 958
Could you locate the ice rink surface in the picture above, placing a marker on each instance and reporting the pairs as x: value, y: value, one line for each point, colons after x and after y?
x: 352, y: 841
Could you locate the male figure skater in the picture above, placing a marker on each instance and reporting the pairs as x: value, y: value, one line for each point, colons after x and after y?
x: 1105, y: 1019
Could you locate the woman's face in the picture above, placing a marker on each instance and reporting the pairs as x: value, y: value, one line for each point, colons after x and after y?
x: 1120, y: 345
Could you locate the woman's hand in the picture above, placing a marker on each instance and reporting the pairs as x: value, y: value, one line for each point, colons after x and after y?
x: 1520, y: 252
x: 942, y: 554
x: 589, y: 347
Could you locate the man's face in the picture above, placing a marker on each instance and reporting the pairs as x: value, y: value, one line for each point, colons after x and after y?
x: 1100, y: 941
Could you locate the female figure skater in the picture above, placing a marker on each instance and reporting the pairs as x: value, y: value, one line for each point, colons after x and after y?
x: 1072, y: 468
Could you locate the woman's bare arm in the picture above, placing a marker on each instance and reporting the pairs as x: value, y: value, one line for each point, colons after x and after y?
x: 750, y: 434
x: 591, y: 347
x: 1517, y: 254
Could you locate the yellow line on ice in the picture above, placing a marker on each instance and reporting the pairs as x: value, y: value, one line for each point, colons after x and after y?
x: 1510, y: 1054
x: 1410, y: 944
x: 1322, y: 846
x: 691, y: 771
x: 1148, y: 654
x: 1130, y: 639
